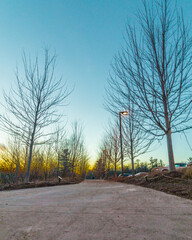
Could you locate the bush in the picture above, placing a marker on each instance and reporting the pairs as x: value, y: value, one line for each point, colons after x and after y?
x: 7, y: 178
x: 188, y: 173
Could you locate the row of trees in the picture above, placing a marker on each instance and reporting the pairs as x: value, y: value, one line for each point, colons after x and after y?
x: 32, y: 108
x: 151, y: 80
x: 63, y: 156
x: 105, y: 168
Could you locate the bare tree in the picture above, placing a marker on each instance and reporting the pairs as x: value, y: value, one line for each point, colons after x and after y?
x: 83, y: 165
x: 59, y: 140
x: 136, y: 141
x: 76, y: 146
x: 49, y: 160
x: 155, y: 65
x: 113, y: 150
x: 33, y: 105
x: 105, y: 153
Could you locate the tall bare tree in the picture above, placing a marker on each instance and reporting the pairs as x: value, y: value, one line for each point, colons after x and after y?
x: 136, y: 141
x: 113, y: 145
x: 33, y: 105
x: 59, y: 140
x: 155, y: 65
x: 105, y: 153
x: 76, y: 146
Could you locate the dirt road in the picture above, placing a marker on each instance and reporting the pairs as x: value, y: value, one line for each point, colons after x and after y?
x: 94, y: 210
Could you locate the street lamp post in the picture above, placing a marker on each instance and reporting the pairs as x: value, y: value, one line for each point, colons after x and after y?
x: 120, y: 114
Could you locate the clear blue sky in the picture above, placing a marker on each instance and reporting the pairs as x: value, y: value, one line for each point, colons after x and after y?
x: 85, y: 35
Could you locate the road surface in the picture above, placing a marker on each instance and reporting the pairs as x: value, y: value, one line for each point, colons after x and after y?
x: 94, y: 210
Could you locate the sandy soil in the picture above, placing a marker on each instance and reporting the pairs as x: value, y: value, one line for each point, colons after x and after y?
x: 98, y: 210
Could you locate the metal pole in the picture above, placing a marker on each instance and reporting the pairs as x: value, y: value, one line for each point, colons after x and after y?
x: 121, y: 144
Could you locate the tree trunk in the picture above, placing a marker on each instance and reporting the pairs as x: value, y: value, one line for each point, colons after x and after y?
x: 169, y: 140
x: 72, y: 168
x: 132, y: 159
x: 58, y: 165
x: 170, y: 151
x: 133, y: 169
x: 17, y: 170
x: 29, y: 159
x: 31, y: 148
x: 121, y: 144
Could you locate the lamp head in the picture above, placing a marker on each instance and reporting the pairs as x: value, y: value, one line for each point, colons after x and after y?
x: 124, y: 113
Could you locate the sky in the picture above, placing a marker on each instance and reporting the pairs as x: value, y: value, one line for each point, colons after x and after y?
x: 85, y: 34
